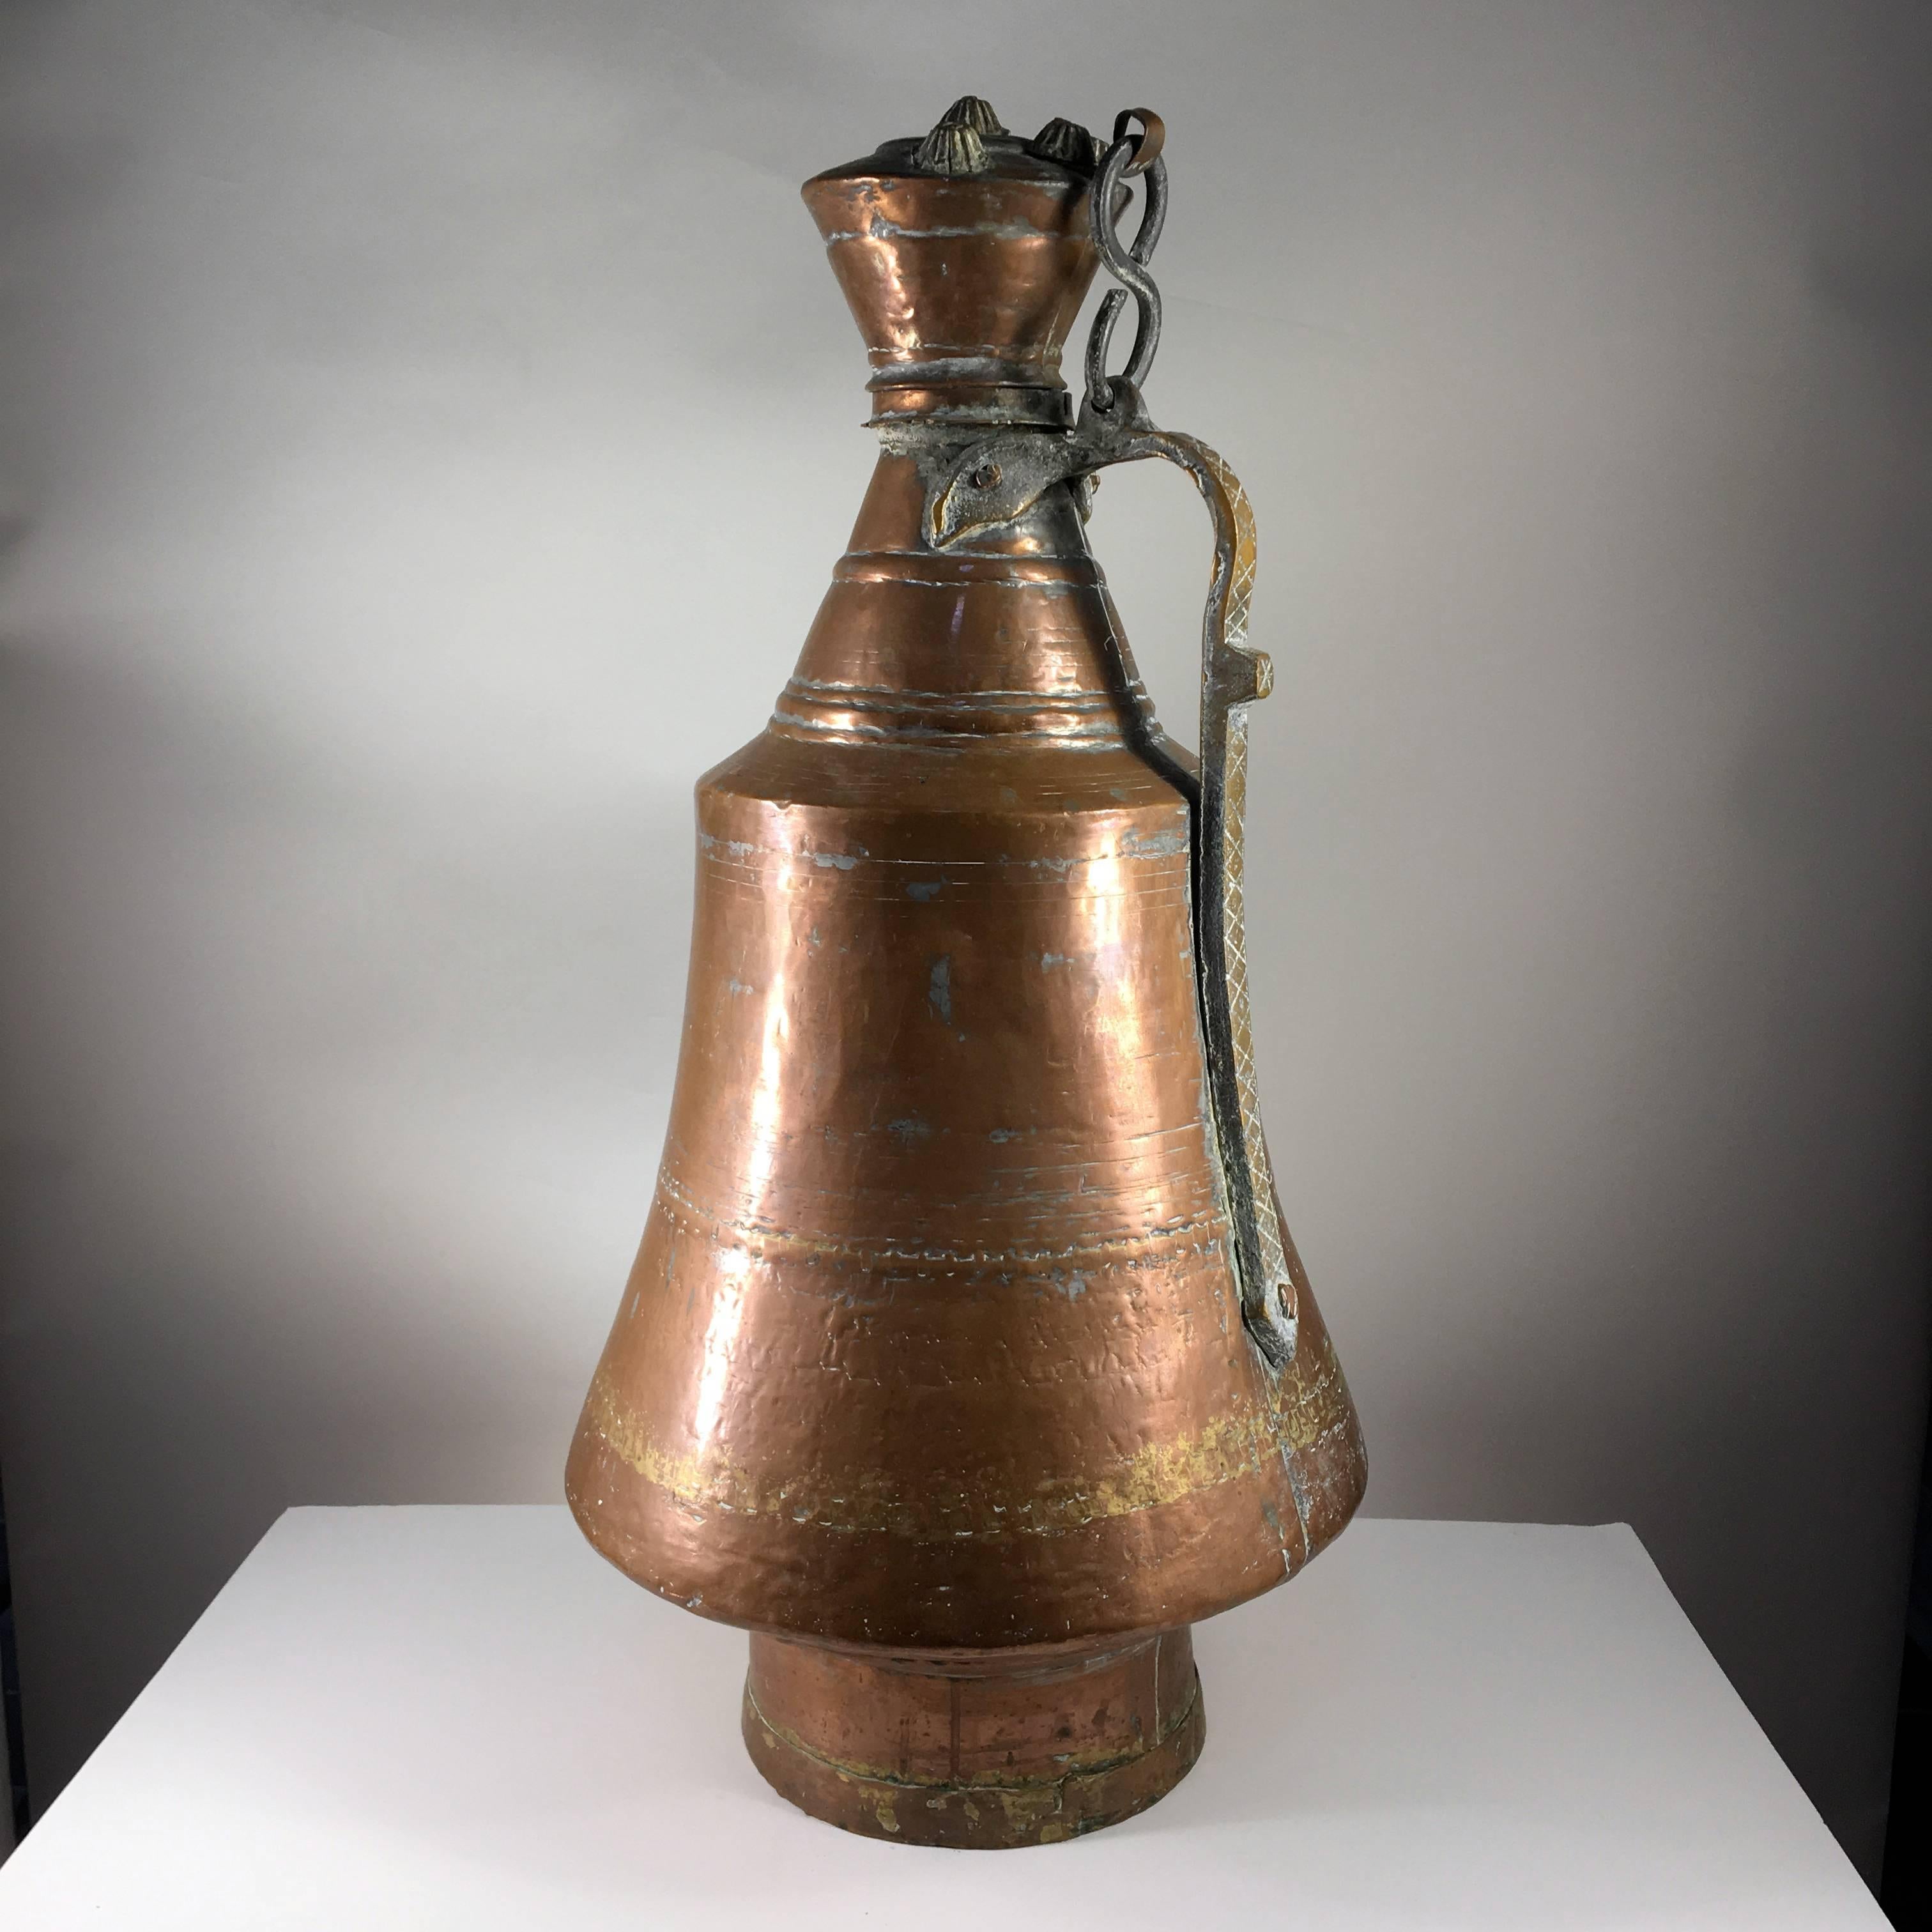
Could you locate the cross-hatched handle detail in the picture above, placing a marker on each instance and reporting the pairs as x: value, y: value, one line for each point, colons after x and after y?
x: 1232, y: 676
x: 996, y: 480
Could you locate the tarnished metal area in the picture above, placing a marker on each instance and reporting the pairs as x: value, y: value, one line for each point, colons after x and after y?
x: 977, y: 1754
x: 966, y: 1352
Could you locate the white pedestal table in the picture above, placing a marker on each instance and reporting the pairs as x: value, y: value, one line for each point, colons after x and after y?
x: 439, y: 1716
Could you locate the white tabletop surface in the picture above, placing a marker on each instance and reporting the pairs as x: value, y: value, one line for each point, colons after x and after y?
x: 448, y: 1717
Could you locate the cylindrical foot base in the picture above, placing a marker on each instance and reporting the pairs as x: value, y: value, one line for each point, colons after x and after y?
x: 980, y: 1753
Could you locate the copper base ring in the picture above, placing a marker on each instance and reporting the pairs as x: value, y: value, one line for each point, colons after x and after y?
x: 985, y: 1753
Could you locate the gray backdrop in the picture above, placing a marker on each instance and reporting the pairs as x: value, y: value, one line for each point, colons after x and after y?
x: 386, y: 384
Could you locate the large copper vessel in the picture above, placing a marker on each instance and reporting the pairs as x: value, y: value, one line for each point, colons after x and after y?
x: 966, y: 1361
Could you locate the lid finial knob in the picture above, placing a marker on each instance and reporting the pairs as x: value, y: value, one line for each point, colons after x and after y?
x: 957, y: 144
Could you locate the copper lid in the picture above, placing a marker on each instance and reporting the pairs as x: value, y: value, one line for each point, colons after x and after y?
x: 965, y: 255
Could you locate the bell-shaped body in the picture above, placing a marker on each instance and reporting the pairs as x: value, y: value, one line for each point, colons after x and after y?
x: 933, y: 1353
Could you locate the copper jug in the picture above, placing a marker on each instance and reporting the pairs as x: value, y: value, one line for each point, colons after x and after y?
x: 967, y: 1360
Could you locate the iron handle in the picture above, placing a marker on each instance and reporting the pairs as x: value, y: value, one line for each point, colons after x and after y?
x: 996, y: 480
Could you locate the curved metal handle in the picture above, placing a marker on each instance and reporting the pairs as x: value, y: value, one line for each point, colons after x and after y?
x: 996, y: 480
x: 1232, y: 676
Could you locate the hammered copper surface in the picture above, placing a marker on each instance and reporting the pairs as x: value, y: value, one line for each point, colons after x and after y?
x: 933, y: 1343
x: 1024, y: 1751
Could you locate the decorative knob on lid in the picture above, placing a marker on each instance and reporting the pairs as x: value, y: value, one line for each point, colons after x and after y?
x: 1069, y: 143
x: 957, y: 144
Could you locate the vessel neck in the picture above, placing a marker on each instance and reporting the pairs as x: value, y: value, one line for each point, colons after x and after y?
x: 1007, y: 637
x: 977, y: 388
x: 963, y: 285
